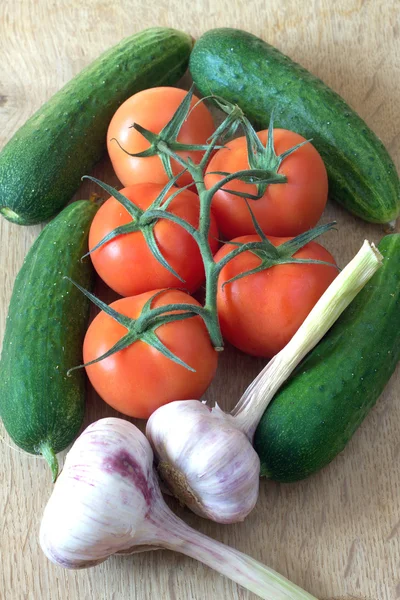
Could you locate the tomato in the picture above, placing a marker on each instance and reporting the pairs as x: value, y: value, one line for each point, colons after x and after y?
x: 126, y: 263
x: 260, y: 313
x: 153, y: 109
x: 286, y: 209
x: 139, y: 379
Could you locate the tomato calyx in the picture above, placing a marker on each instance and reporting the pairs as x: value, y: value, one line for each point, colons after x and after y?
x: 258, y: 176
x: 271, y: 255
x: 259, y: 156
x: 235, y: 117
x: 167, y: 138
x: 144, y: 220
x: 144, y: 327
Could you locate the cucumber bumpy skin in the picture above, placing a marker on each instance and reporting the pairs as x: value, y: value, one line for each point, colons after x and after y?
x: 249, y: 72
x: 42, y: 165
x: 317, y: 411
x: 41, y: 407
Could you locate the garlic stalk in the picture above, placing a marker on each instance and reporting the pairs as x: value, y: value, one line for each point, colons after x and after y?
x: 344, y: 288
x: 204, y: 455
x: 107, y: 500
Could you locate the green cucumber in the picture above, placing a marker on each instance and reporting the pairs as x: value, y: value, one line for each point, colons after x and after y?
x: 316, y: 412
x: 42, y: 165
x: 41, y: 407
x: 249, y: 72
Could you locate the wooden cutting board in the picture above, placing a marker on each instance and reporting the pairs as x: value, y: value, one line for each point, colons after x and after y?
x: 337, y: 534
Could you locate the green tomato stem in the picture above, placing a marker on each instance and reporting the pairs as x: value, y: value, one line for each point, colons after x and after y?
x: 148, y: 319
x: 201, y: 236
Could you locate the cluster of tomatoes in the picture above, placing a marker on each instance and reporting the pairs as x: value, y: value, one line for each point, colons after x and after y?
x: 258, y: 313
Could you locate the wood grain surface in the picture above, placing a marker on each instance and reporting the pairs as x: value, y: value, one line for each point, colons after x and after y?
x: 338, y: 533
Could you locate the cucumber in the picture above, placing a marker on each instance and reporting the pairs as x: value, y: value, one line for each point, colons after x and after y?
x: 42, y: 165
x: 316, y: 412
x: 249, y: 72
x: 41, y: 407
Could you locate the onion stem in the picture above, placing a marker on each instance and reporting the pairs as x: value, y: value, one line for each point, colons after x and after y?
x: 333, y: 302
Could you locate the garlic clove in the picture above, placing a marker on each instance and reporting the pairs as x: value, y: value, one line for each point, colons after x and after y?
x: 207, y: 463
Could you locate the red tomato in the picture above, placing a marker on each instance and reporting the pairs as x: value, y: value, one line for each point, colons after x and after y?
x: 126, y: 263
x: 139, y: 379
x: 286, y: 209
x: 153, y: 109
x: 260, y: 313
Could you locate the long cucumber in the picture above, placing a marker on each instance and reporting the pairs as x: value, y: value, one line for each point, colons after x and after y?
x: 42, y: 165
x: 41, y: 407
x: 246, y: 70
x: 317, y: 411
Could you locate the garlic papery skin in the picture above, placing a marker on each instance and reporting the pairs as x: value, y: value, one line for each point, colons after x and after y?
x: 107, y: 500
x: 201, y: 459
x: 206, y: 462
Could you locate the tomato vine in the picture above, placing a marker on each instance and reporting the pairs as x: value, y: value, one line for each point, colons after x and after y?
x: 263, y: 171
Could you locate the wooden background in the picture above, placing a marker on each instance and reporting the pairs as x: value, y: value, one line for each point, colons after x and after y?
x: 337, y: 533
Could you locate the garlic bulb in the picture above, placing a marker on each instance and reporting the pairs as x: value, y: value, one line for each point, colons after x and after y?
x: 205, y: 456
x: 88, y: 516
x: 107, y: 500
x: 213, y: 455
